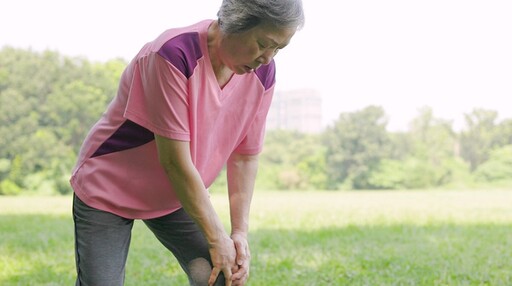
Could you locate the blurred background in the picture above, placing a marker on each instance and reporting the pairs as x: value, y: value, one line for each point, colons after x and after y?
x: 373, y: 94
x: 388, y: 155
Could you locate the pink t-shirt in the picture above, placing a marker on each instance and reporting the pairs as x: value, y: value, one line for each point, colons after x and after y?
x: 169, y: 89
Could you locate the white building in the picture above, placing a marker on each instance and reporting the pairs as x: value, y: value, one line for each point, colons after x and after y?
x: 299, y: 110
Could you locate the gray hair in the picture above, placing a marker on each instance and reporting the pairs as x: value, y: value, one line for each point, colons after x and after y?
x: 236, y: 16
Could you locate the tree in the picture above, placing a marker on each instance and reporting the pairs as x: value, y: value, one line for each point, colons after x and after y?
x: 355, y: 145
x: 424, y: 157
x: 498, y: 167
x: 434, y: 145
x: 479, y: 137
x: 503, y: 135
x: 47, y: 104
x: 292, y: 160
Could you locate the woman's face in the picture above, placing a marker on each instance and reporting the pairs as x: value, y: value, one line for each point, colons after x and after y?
x: 246, y: 51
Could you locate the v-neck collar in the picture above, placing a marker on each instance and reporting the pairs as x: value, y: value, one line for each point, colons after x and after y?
x: 232, y: 82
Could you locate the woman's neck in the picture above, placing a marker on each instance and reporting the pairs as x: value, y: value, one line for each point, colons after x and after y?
x: 222, y: 72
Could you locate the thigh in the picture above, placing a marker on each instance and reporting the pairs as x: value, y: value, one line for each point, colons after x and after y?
x: 181, y: 235
x: 102, y: 241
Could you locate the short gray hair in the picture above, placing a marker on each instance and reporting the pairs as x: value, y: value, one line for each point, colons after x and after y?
x: 236, y: 16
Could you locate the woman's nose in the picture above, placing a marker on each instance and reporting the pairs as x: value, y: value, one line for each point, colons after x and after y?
x: 266, y: 57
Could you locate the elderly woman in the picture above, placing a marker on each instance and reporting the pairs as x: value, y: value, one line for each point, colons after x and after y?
x: 192, y: 101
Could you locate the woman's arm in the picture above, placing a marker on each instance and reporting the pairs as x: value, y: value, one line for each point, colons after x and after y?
x: 241, y: 172
x: 176, y: 160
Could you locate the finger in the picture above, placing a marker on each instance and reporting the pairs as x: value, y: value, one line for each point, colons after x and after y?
x: 213, y: 276
x: 228, y: 277
x: 240, y: 275
x: 241, y: 252
x: 247, y: 251
x: 242, y: 272
x: 247, y: 258
x: 241, y: 281
x: 237, y: 283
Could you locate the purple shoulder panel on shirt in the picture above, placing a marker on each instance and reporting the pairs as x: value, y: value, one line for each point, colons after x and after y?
x: 183, y: 51
x: 267, y: 74
x: 128, y: 135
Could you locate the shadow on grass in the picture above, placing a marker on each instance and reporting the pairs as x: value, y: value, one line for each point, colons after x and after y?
x: 38, y: 250
x: 444, y: 254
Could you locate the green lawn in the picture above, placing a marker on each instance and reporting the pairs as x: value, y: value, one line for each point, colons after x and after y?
x: 298, y: 238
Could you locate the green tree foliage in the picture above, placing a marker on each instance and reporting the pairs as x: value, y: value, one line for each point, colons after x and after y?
x: 292, y: 160
x: 47, y: 104
x: 498, y: 168
x: 434, y: 145
x: 480, y: 137
x: 428, y: 157
x: 503, y: 135
x: 8, y: 187
x: 356, y: 144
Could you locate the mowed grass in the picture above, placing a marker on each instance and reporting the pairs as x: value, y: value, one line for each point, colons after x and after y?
x: 298, y: 238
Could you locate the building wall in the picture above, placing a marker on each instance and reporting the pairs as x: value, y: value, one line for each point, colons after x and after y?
x: 299, y: 110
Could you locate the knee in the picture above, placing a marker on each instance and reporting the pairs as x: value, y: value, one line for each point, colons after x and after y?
x: 200, y: 270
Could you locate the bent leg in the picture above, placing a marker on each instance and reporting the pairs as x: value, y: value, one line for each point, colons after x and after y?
x: 102, y: 241
x: 179, y: 233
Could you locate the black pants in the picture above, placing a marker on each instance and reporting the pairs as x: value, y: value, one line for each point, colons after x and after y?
x: 102, y: 240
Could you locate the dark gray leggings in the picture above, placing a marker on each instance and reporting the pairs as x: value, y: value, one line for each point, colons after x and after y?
x: 102, y: 240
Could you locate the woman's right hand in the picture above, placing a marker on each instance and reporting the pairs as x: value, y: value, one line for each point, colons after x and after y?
x: 223, y: 255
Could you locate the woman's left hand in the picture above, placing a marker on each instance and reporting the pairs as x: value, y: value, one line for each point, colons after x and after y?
x: 243, y: 259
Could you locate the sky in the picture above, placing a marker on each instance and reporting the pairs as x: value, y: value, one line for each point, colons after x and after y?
x: 450, y: 55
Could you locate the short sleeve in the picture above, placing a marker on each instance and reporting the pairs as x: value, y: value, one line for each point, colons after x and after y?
x: 252, y: 143
x: 158, y: 98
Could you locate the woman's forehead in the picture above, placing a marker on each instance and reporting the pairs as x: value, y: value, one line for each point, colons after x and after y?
x: 277, y: 36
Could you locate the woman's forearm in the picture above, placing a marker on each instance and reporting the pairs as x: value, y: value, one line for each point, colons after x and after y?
x: 241, y: 172
x: 188, y: 185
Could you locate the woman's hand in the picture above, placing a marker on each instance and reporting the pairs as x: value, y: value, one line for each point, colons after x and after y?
x: 223, y: 255
x: 243, y: 259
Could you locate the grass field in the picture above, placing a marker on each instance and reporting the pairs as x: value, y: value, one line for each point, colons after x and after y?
x: 298, y: 238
